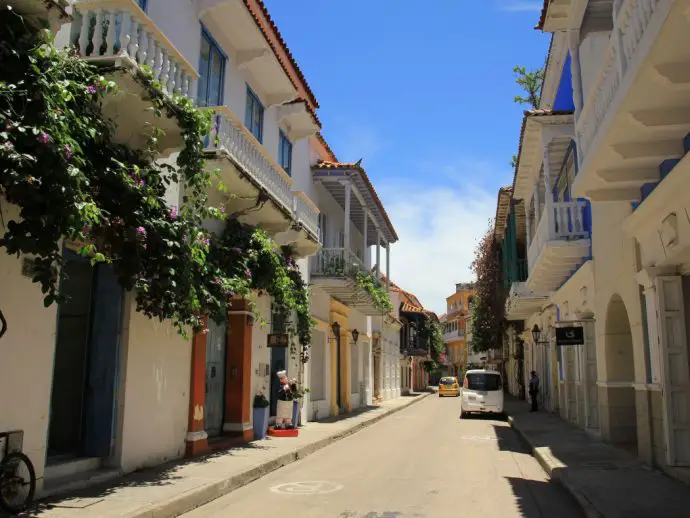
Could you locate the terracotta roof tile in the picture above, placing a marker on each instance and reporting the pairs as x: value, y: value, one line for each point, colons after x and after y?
x: 311, y: 110
x: 542, y: 17
x: 283, y: 46
x: 321, y: 139
x: 325, y: 164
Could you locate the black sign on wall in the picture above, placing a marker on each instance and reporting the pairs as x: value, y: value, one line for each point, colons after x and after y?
x: 570, y: 336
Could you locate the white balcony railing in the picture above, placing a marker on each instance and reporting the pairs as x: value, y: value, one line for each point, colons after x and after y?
x: 631, y: 19
x: 307, y: 213
x: 249, y: 155
x: 119, y: 28
x: 563, y: 220
x: 336, y: 262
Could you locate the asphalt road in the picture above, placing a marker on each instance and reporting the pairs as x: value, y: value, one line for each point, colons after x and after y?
x: 422, y: 462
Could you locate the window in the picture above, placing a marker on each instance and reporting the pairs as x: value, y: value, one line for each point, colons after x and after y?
x: 142, y: 4
x: 285, y: 153
x: 254, y: 115
x: 211, y: 72
x: 483, y: 381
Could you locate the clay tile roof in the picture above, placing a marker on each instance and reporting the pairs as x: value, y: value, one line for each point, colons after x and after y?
x: 311, y: 110
x: 249, y: 4
x: 325, y: 144
x: 409, y: 308
x: 326, y: 164
x: 542, y: 17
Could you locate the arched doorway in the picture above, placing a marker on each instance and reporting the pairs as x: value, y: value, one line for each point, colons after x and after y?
x: 620, y: 377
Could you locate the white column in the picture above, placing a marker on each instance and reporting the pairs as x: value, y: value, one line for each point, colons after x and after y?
x: 548, y: 194
x: 366, y: 248
x: 575, y: 70
x: 378, y: 254
x: 348, y: 196
x: 388, y: 264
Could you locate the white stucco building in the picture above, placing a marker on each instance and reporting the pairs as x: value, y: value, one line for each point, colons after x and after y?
x: 133, y: 393
x: 598, y: 211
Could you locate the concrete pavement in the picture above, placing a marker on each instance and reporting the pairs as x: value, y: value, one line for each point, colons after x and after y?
x: 608, y: 482
x: 422, y: 462
x: 172, y: 489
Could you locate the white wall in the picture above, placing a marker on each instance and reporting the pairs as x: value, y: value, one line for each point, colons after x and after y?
x: 261, y: 354
x: 26, y: 356
x: 154, y: 397
x: 592, y: 53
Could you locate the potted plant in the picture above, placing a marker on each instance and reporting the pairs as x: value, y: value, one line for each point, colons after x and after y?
x: 298, y: 393
x: 260, y: 422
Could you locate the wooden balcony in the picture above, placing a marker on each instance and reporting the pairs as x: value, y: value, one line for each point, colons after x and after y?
x: 335, y: 270
x: 120, y: 38
x: 522, y: 302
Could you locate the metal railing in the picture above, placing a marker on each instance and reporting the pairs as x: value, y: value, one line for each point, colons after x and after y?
x: 336, y: 262
x: 120, y: 28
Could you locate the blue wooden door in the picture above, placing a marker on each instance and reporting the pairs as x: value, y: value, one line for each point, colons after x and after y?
x: 103, y: 363
x: 215, y: 378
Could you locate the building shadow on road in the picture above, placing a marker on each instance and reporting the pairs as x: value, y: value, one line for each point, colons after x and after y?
x: 539, y: 499
x: 166, y: 474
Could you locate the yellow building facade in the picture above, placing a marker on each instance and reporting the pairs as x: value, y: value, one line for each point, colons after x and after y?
x: 455, y: 323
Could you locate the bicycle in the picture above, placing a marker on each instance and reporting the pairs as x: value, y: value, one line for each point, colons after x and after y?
x: 17, y: 474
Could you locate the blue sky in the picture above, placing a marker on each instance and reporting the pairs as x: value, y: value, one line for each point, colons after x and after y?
x: 425, y: 97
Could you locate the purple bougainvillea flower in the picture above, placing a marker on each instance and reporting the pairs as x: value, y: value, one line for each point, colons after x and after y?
x: 91, y: 89
x: 141, y: 231
x: 43, y: 138
x: 68, y: 151
x: 9, y: 146
x: 173, y: 212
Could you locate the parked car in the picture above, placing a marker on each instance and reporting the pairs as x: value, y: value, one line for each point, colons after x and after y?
x: 482, y: 392
x: 448, y: 386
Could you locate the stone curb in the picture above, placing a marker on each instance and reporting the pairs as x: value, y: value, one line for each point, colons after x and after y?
x: 548, y: 466
x: 202, y: 495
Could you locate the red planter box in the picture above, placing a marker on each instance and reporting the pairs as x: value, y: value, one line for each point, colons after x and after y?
x: 283, y: 433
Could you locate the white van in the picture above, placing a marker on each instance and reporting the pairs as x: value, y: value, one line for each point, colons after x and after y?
x: 482, y: 391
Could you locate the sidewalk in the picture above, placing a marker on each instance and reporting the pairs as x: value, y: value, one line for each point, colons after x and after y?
x: 606, y: 481
x: 178, y: 487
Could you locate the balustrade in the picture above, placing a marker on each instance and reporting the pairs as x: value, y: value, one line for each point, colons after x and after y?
x: 230, y: 135
x: 563, y: 220
x: 631, y: 19
x: 119, y: 28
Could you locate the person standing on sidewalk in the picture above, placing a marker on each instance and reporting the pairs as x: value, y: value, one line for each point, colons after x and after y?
x: 534, y: 390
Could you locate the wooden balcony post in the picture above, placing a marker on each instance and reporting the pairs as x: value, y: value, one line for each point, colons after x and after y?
x: 378, y: 254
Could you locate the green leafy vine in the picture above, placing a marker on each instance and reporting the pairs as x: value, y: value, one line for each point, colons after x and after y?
x: 376, y: 291
x: 72, y: 183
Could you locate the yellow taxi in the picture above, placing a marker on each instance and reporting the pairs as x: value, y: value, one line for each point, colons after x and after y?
x: 448, y: 386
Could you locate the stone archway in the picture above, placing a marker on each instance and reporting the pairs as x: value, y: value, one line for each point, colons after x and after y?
x: 619, y: 401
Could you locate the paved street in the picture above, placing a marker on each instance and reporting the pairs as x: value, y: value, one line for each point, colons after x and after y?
x: 422, y: 462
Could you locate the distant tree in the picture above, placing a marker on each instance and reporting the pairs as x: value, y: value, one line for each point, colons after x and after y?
x: 488, y: 302
x: 531, y: 82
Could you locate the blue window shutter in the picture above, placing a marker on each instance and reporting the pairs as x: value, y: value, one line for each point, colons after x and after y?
x: 104, y: 359
x: 143, y: 4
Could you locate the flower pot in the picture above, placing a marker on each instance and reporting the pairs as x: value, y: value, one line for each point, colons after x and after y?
x: 260, y: 424
x: 295, y: 413
x: 284, y: 412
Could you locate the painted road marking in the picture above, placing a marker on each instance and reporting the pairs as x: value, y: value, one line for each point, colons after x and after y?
x: 477, y: 438
x: 314, y: 487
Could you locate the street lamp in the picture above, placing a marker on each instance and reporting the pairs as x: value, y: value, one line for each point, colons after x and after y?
x: 355, y: 335
x: 536, y: 334
x: 335, y: 326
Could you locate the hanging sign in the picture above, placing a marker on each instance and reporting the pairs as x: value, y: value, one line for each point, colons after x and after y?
x: 570, y: 336
x: 278, y: 340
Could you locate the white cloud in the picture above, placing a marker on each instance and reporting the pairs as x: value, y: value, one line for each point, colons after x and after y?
x: 516, y: 6
x: 438, y: 228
